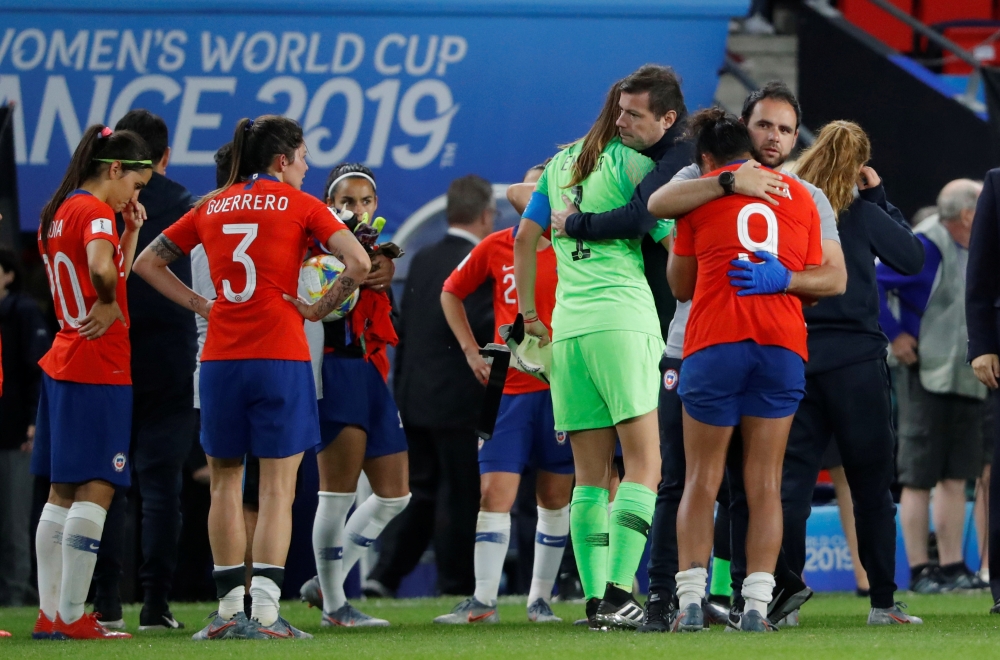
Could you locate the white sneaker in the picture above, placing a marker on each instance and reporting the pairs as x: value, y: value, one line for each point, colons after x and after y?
x: 757, y: 25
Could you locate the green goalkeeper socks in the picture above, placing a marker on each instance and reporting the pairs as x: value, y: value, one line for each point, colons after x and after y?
x: 588, y: 523
x: 722, y: 582
x: 631, y: 517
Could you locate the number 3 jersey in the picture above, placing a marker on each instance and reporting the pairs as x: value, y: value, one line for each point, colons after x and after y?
x: 734, y: 227
x: 255, y: 235
x: 493, y: 259
x: 80, y: 219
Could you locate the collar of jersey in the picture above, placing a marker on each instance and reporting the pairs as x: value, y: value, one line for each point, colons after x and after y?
x: 79, y: 191
x: 736, y: 162
x: 259, y: 175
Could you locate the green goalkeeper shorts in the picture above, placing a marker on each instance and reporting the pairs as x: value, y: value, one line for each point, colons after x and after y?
x: 603, y: 378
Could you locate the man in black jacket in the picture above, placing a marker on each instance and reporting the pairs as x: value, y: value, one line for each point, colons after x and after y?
x: 982, y: 315
x: 439, y: 399
x: 164, y: 343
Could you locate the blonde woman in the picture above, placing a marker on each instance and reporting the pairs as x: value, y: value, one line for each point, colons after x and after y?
x: 847, y: 381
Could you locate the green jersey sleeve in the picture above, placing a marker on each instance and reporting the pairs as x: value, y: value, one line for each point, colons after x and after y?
x: 661, y: 230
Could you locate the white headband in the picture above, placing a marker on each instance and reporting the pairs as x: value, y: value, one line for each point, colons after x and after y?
x: 333, y: 185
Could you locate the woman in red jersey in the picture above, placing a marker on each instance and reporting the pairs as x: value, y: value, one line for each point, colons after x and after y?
x: 256, y: 382
x: 85, y: 405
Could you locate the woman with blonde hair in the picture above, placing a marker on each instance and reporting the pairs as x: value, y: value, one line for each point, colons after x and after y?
x: 847, y: 380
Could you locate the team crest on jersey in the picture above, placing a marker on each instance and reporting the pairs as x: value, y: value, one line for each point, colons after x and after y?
x: 670, y: 379
x: 119, y: 462
x: 561, y: 437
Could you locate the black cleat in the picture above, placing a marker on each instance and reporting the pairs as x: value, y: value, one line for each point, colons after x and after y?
x: 788, y: 597
x: 996, y: 607
x: 928, y: 581
x: 715, y: 613
x: 592, y: 605
x: 618, y: 610
x: 658, y: 614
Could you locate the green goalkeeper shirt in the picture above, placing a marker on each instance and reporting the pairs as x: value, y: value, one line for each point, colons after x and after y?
x: 602, y: 285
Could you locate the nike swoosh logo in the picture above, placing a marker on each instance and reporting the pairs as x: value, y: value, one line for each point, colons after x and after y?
x: 272, y: 633
x: 214, y: 633
x: 506, y: 268
x: 95, y: 546
x: 473, y: 619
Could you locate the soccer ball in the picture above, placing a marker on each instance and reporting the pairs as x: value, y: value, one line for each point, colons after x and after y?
x: 317, y: 275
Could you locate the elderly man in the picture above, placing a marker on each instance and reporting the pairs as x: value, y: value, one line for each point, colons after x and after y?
x: 983, y: 317
x: 940, y: 399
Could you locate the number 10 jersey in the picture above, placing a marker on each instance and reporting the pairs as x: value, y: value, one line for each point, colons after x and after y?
x: 80, y: 219
x: 255, y: 235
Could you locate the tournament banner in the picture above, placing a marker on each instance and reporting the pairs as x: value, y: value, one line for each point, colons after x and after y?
x: 420, y: 92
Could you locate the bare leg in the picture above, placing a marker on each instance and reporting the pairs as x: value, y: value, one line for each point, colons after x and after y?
x: 553, y: 491
x: 949, y: 519
x: 340, y: 462
x: 981, y: 515
x: 914, y: 517
x: 593, y: 453
x: 226, y: 530
x: 640, y: 438
x: 705, y: 452
x: 389, y: 475
x: 498, y: 491
x: 764, y: 443
x: 274, y: 522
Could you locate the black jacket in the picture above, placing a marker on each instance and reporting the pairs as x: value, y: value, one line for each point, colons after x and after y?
x: 634, y: 219
x: 844, y: 329
x: 434, y: 385
x: 982, y: 280
x: 163, y: 334
x: 26, y: 338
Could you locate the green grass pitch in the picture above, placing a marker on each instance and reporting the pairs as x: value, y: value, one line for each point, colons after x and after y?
x: 833, y: 626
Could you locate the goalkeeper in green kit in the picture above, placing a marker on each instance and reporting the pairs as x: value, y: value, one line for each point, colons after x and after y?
x: 606, y: 345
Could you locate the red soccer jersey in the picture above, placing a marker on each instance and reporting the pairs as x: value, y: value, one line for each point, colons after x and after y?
x: 83, y: 218
x: 255, y: 236
x: 734, y: 227
x: 493, y: 259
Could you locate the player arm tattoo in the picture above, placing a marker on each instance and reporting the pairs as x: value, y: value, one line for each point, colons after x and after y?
x: 166, y: 249
x: 338, y: 293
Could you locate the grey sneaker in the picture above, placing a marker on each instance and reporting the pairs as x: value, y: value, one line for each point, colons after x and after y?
x: 117, y: 624
x: 219, y: 628
x: 791, y: 620
x: 470, y: 610
x: 280, y: 629
x: 752, y: 621
x: 689, y: 619
x: 540, y: 612
x: 891, y: 616
x: 311, y: 593
x: 349, y: 617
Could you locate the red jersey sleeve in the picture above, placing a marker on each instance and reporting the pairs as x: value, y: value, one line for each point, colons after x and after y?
x: 470, y: 274
x: 814, y: 252
x: 684, y: 238
x: 101, y: 225
x: 321, y: 221
x: 184, y: 232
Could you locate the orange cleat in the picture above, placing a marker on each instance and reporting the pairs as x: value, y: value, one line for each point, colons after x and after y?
x: 4, y: 633
x: 43, y: 627
x: 86, y: 627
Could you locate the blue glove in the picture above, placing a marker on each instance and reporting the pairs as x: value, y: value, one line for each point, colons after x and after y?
x: 768, y: 277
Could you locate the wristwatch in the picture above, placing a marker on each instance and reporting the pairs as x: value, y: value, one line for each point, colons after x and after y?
x: 728, y: 182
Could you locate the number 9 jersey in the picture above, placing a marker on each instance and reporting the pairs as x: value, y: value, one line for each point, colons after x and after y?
x: 255, y: 235
x: 734, y: 227
x: 83, y: 218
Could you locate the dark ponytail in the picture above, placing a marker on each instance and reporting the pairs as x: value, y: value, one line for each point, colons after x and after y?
x: 98, y: 142
x: 719, y: 134
x: 256, y: 142
x: 597, y: 138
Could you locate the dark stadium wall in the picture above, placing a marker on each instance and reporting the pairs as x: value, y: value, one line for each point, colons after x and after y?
x: 921, y: 138
x: 10, y: 226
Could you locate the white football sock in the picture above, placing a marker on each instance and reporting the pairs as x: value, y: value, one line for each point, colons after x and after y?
x: 757, y: 588
x: 550, y: 543
x: 232, y: 603
x: 366, y: 523
x: 492, y: 539
x: 81, y: 541
x: 48, y: 549
x: 691, y: 586
x: 328, y: 546
x: 265, y: 595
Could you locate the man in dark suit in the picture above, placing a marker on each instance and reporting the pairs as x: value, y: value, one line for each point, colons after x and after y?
x: 164, y: 343
x: 439, y: 400
x: 982, y: 314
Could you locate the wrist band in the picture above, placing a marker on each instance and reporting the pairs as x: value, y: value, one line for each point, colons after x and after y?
x: 531, y: 320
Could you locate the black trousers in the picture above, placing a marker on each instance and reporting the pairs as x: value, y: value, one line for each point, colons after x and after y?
x: 853, y: 405
x: 994, y: 503
x: 444, y: 482
x: 163, y: 429
x: 663, y: 550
